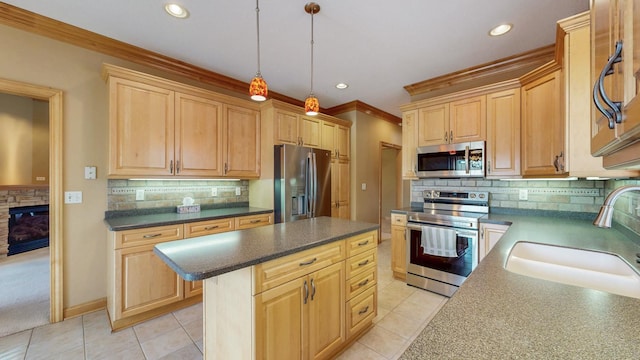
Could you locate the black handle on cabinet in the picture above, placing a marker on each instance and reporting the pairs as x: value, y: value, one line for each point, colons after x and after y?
x: 363, y: 243
x: 177, y: 166
x: 313, y: 289
x: 171, y: 166
x: 306, y: 292
x: 363, y: 283
x: 308, y: 262
x: 363, y: 263
x: 211, y: 227
x: 364, y: 310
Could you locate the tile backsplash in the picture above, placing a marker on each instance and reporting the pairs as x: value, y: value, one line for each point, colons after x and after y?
x: 121, y: 194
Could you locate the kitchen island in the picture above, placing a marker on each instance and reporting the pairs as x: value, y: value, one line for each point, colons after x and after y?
x: 253, y: 276
x: 497, y: 314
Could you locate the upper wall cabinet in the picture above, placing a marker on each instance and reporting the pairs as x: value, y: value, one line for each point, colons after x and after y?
x: 452, y: 122
x: 409, y: 144
x: 503, y: 134
x: 163, y: 129
x: 291, y: 128
x: 616, y: 31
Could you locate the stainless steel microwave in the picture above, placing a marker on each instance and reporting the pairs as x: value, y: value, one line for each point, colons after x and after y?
x: 451, y: 160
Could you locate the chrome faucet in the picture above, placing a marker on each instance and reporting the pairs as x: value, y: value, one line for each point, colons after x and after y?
x: 603, y: 219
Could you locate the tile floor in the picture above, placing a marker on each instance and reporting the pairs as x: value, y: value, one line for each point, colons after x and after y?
x: 402, y: 313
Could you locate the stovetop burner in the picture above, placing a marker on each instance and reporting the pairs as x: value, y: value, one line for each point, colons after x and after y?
x: 456, y: 209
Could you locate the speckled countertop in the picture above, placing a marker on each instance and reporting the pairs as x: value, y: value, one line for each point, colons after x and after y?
x: 142, y: 220
x: 497, y: 314
x: 207, y: 256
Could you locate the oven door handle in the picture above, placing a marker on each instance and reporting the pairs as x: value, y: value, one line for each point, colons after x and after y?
x: 414, y: 227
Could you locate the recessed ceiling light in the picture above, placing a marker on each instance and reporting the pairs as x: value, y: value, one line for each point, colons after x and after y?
x: 500, y: 30
x: 176, y: 10
x: 342, y: 86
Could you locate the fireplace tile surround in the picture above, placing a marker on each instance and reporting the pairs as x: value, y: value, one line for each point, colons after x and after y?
x: 14, y: 196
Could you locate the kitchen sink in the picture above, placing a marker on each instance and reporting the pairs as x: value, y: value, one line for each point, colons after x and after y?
x: 571, y: 266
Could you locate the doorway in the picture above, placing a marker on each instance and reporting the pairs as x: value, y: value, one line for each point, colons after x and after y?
x: 54, y: 98
x: 390, y: 186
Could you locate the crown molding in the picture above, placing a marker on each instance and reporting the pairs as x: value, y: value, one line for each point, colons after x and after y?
x: 360, y: 106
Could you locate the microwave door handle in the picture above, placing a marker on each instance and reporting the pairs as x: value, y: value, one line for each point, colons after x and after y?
x: 466, y: 159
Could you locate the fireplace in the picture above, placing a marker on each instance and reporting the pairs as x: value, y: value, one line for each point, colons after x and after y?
x: 28, y: 228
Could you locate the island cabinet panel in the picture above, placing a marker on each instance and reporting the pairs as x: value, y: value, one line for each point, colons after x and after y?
x: 489, y: 236
x: 399, y: 246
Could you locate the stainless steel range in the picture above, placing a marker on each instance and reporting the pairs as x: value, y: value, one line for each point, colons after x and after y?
x: 442, y: 239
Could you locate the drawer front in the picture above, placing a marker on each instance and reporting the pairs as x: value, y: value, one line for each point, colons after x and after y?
x: 361, y: 263
x: 399, y: 219
x: 208, y: 227
x: 275, y: 272
x: 358, y: 284
x: 251, y: 221
x: 361, y: 243
x: 361, y: 310
x: 147, y: 236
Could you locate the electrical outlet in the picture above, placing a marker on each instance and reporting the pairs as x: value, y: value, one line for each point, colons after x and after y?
x: 214, y: 191
x: 363, y: 186
x: 139, y: 194
x: 523, y: 195
x: 73, y: 197
x: 238, y: 192
x: 90, y: 172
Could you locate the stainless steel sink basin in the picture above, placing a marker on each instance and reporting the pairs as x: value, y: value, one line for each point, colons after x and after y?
x: 571, y: 266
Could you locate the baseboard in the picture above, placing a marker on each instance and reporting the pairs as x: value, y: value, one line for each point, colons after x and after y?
x: 85, y: 308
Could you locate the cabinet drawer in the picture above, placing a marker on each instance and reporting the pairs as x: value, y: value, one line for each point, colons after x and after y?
x: 361, y: 243
x: 399, y: 219
x: 361, y: 310
x: 208, y: 227
x: 146, y: 236
x: 251, y: 221
x: 361, y: 263
x: 275, y: 272
x: 358, y: 284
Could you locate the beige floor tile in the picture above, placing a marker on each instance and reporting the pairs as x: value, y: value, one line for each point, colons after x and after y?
x: 15, y: 346
x: 106, y: 346
x: 189, y: 314
x: 200, y: 345
x: 358, y: 351
x: 389, y: 297
x: 131, y: 353
x: 189, y: 352
x: 96, y: 326
x: 156, y: 327
x: 165, y: 344
x: 401, y: 288
x: 400, y: 325
x: 194, y: 329
x: 51, y: 340
x: 76, y: 353
x: 422, y: 297
x: 383, y: 341
x: 382, y: 312
x: 419, y: 311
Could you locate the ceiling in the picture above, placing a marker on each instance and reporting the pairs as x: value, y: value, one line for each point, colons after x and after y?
x: 376, y: 47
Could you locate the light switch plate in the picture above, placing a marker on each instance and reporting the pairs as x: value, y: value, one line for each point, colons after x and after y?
x: 90, y: 172
x: 140, y: 194
x: 214, y: 191
x: 73, y: 197
x: 363, y: 186
x: 238, y: 192
x: 523, y: 195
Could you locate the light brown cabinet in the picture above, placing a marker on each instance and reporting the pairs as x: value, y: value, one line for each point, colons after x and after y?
x: 160, y: 128
x: 361, y: 273
x: 141, y: 285
x: 489, y: 236
x: 613, y: 21
x: 399, y: 246
x: 340, y: 189
x: 503, y: 134
x: 291, y: 128
x: 433, y: 125
x: 543, y: 125
x: 454, y: 122
x: 409, y: 144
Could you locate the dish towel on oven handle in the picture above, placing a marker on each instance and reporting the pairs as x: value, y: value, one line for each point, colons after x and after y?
x: 439, y: 241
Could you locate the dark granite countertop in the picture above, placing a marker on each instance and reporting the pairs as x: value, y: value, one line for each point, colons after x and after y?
x: 497, y: 314
x: 207, y: 256
x: 136, y: 221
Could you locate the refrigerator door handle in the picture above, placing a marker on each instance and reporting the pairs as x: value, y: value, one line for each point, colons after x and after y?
x: 308, y: 186
x: 314, y: 184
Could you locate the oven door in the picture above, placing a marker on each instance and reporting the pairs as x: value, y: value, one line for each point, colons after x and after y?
x: 452, y: 268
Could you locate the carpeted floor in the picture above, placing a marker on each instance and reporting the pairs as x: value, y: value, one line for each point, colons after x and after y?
x: 24, y: 291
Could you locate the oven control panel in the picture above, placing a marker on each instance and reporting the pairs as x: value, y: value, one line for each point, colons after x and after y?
x: 471, y: 196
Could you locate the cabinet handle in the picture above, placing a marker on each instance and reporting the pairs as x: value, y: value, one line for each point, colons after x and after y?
x: 363, y: 263
x: 177, y: 166
x: 306, y: 292
x: 151, y: 236
x: 308, y: 262
x: 446, y: 137
x: 608, y: 70
x: 451, y: 136
x: 600, y: 107
x: 363, y: 243
x: 363, y: 311
x: 489, y: 167
x: 363, y: 283
x: 171, y: 166
x: 313, y: 289
x: 211, y: 227
x: 255, y: 221
x: 558, y: 163
x: 226, y: 168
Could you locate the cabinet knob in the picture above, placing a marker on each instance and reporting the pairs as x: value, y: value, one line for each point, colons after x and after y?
x: 451, y: 136
x: 171, y: 166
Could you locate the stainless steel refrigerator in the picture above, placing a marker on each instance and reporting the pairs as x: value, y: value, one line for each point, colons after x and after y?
x: 302, y: 183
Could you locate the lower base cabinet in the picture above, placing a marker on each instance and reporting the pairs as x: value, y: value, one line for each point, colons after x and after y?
x: 399, y: 246
x: 489, y: 236
x: 308, y: 305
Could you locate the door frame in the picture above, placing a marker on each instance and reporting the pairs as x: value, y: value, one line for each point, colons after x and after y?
x: 54, y: 97
x: 386, y: 145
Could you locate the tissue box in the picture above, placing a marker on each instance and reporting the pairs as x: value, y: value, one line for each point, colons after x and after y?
x: 184, y: 209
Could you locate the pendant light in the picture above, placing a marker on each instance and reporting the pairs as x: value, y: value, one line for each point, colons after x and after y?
x: 311, y: 104
x: 258, y: 87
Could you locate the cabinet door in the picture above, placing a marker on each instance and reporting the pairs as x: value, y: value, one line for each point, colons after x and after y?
x: 503, y: 134
x: 328, y: 138
x: 146, y: 281
x: 192, y: 288
x: 310, y: 130
x: 398, y: 252
x: 242, y: 142
x: 343, y: 190
x: 279, y: 322
x: 542, y: 127
x: 141, y: 125
x: 342, y: 142
x: 409, y: 144
x: 286, y: 128
x: 489, y: 236
x: 433, y: 125
x: 198, y: 136
x: 468, y: 120
x: 630, y: 15
x: 326, y: 311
